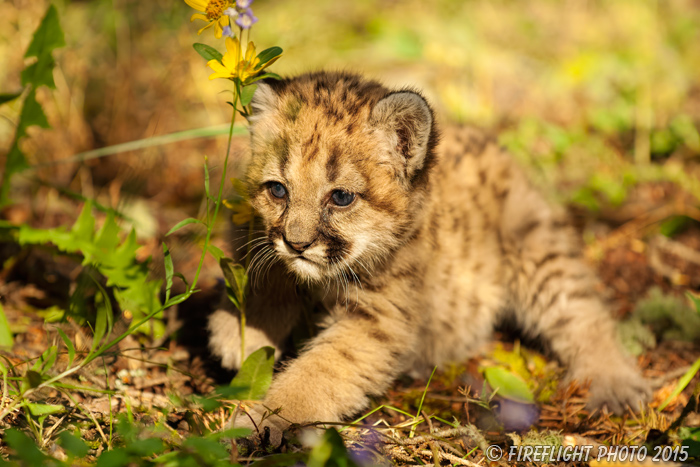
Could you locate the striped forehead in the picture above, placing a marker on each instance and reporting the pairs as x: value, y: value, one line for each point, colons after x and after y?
x: 317, y: 163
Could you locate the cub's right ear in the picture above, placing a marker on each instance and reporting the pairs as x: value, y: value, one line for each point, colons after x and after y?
x: 265, y: 101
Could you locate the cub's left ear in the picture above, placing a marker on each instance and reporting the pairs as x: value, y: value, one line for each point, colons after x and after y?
x: 406, y: 119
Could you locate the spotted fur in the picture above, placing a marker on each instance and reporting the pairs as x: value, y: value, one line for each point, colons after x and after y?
x: 439, y: 243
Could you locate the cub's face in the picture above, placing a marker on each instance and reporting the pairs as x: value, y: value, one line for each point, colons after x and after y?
x: 337, y: 171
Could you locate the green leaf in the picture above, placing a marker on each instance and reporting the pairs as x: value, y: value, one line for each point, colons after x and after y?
x: 84, y: 227
x: 107, y: 239
x: 32, y: 379
x: 268, y: 54
x: 265, y: 76
x: 256, y: 373
x: 69, y: 346
x: 206, y: 178
x: 207, y: 52
x: 114, y: 458
x: 231, y: 392
x: 183, y: 279
x: 508, y: 385
x: 47, y: 359
x: 331, y: 451
x: 236, y: 280
x: 31, y: 114
x: 24, y: 447
x: 169, y: 270
x: 208, y: 404
x: 216, y: 252
x: 209, y: 450
x: 682, y: 383
x: 104, y: 317
x: 247, y: 94
x: 146, y: 447
x: 37, y: 410
x: 287, y: 459
x: 695, y: 299
x: 183, y: 223
x: 48, y: 36
x: 40, y: 73
x: 74, y: 445
x: 5, y: 333
x: 8, y: 97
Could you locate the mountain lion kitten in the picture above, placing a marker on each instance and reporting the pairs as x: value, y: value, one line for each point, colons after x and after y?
x: 415, y: 249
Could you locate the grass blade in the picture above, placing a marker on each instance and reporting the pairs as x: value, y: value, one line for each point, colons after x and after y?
x: 206, y: 132
x: 5, y: 333
x: 181, y: 224
x: 169, y: 271
x: 682, y: 383
x: 422, y: 399
x: 69, y: 346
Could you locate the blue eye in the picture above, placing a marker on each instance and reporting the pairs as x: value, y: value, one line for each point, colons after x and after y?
x: 342, y: 198
x: 278, y: 190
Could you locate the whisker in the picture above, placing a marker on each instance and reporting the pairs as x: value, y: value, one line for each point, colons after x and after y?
x: 259, y: 239
x: 253, y: 262
x: 245, y: 233
x: 269, y: 260
x: 358, y: 281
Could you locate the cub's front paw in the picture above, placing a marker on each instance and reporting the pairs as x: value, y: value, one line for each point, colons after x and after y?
x: 225, y: 339
x: 619, y: 388
x: 267, y: 427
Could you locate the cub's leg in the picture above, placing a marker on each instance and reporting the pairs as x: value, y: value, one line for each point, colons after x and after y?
x: 358, y: 355
x: 271, y: 315
x: 554, y: 297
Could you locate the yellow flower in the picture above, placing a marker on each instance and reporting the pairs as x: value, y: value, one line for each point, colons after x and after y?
x: 213, y: 14
x: 231, y: 67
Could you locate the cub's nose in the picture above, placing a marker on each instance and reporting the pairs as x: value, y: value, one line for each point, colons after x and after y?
x: 299, y: 247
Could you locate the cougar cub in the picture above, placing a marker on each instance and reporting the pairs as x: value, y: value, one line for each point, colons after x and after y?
x: 414, y: 248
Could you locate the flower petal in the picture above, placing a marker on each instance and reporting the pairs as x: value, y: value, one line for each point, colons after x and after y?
x: 205, y: 27
x: 219, y: 75
x: 250, y: 51
x: 219, y: 27
x: 198, y: 16
x: 232, y: 46
x: 200, y: 5
x: 218, y: 67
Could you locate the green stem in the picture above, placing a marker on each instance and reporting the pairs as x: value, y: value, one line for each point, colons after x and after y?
x: 242, y: 311
x: 210, y: 227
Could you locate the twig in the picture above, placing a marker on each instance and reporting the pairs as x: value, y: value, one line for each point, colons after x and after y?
x: 451, y: 458
x: 427, y: 420
x: 468, y: 431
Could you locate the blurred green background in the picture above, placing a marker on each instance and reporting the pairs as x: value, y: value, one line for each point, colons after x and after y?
x: 593, y: 96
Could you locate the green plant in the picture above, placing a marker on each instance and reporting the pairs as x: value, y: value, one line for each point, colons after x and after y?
x: 102, y: 251
x: 47, y: 38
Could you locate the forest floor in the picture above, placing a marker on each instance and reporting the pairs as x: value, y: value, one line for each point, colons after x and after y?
x: 644, y: 275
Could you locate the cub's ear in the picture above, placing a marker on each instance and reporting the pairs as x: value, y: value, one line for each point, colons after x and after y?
x: 406, y: 120
x: 265, y: 101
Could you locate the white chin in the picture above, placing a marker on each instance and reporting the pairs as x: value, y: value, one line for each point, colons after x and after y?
x: 306, y: 270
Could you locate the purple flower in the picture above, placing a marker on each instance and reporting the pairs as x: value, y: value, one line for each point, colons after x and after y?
x: 243, y: 4
x: 246, y: 19
x: 227, y: 32
x: 231, y: 12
